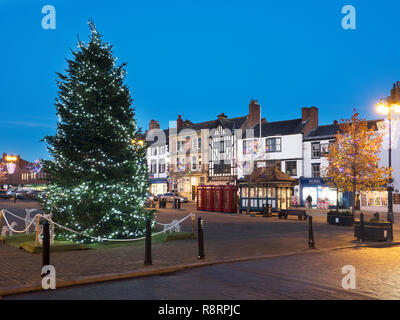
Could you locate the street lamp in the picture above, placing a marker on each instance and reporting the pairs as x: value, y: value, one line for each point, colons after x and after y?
x: 388, y: 107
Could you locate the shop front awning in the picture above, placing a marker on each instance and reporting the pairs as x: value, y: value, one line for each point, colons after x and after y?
x: 158, y: 180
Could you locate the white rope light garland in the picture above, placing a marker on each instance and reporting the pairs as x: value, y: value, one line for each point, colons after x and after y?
x: 83, y: 234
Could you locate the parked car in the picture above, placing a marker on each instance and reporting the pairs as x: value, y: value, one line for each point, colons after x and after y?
x: 4, y: 194
x: 14, y: 193
x: 169, y: 196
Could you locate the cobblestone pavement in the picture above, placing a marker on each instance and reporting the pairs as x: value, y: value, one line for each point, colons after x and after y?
x: 303, y: 276
x: 226, y: 237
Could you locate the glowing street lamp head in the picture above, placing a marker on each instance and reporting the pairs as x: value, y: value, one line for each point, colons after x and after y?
x: 141, y: 143
x: 382, y: 108
x: 11, y: 158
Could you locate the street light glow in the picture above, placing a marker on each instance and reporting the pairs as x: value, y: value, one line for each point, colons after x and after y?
x: 383, y: 109
x: 11, y: 158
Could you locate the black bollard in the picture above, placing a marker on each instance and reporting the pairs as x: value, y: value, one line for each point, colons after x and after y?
x: 200, y: 236
x: 147, y: 256
x: 311, y: 243
x: 361, y: 226
x: 46, y: 245
x: 179, y: 204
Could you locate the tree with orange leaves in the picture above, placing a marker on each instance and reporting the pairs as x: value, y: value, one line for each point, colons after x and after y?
x: 353, y: 158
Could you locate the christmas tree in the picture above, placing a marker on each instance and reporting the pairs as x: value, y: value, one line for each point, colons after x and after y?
x: 98, y: 172
x: 353, y: 158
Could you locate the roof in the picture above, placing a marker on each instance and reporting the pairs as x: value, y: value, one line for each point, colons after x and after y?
x: 231, y: 124
x: 329, y: 131
x: 276, y: 128
x: 154, y: 134
x: 268, y: 174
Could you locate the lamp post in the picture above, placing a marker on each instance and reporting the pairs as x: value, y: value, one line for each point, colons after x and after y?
x: 388, y: 107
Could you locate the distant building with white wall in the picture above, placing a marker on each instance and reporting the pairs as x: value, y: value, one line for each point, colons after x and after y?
x: 157, y: 158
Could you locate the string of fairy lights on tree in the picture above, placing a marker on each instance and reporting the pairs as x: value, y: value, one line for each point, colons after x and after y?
x: 98, y: 172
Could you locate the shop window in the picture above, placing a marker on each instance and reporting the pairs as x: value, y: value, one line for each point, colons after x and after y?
x: 315, y: 170
x: 291, y: 168
x: 377, y: 198
x: 315, y: 150
x: 384, y: 198
x: 364, y: 201
x: 253, y: 192
x: 370, y: 198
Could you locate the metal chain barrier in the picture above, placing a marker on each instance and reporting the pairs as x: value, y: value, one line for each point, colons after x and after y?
x: 80, y: 233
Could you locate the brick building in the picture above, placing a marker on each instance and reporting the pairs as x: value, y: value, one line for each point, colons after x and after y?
x: 18, y: 172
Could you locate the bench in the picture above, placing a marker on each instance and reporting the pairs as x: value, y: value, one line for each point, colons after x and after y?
x: 301, y: 214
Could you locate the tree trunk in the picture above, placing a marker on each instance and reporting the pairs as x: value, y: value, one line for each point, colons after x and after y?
x: 337, y: 199
x: 353, y: 200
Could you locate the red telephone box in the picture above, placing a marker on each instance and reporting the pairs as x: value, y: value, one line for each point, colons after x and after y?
x: 201, y: 198
x: 218, y: 198
x: 209, y: 198
x: 229, y: 199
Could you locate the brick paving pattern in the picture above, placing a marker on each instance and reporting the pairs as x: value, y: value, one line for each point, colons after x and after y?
x: 226, y: 237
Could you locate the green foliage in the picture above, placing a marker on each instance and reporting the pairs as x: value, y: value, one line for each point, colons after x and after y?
x: 340, y: 213
x: 97, y: 177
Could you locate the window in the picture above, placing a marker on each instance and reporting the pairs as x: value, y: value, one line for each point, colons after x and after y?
x: 153, y: 166
x: 162, y: 149
x: 315, y: 170
x: 291, y: 168
x: 222, y: 146
x: 273, y: 145
x: 194, y: 144
x: 161, y: 166
x: 199, y: 143
x: 199, y: 162
x: 250, y: 146
x: 324, y: 148
x: 246, y: 146
x: 194, y: 163
x: 180, y: 145
x: 315, y: 150
x: 153, y: 151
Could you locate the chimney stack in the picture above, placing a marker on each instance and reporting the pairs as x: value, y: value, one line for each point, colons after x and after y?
x: 310, y: 114
x: 154, y: 125
x: 395, y: 92
x: 254, y: 113
x: 179, y: 122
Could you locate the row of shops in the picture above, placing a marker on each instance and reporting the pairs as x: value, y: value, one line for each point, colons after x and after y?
x: 272, y: 187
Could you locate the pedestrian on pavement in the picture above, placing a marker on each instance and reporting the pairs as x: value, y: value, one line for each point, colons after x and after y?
x: 309, y: 201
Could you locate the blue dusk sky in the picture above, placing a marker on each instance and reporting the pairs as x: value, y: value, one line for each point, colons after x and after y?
x: 201, y: 58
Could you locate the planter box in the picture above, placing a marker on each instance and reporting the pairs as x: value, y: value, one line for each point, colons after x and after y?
x: 340, y: 220
x: 374, y: 231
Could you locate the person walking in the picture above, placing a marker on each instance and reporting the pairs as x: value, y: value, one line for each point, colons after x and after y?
x: 309, y: 201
